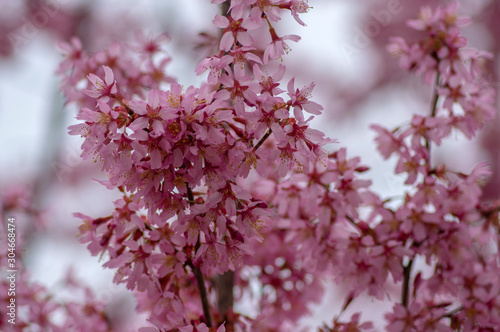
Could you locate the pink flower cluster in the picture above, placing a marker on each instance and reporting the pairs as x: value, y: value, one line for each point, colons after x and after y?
x: 179, y: 155
x: 442, y: 218
x: 27, y: 305
x: 37, y: 310
x: 441, y: 56
x: 229, y: 176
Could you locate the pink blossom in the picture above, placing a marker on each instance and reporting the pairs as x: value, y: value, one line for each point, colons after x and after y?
x: 103, y: 89
x: 278, y: 47
x: 200, y: 328
x: 215, y: 65
x: 241, y: 89
x: 299, y: 100
x: 235, y: 29
x: 269, y: 83
x: 222, y: 177
x: 241, y: 57
x: 155, y: 113
x: 148, y: 46
x: 387, y: 142
x: 73, y: 53
x: 299, y: 7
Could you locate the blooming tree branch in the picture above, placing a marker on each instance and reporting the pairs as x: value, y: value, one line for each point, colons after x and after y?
x: 229, y: 176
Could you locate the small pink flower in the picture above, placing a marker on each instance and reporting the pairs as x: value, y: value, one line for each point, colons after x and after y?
x: 387, y: 142
x: 148, y: 46
x: 296, y: 7
x: 241, y: 57
x: 240, y: 89
x: 270, y: 83
x: 155, y: 115
x: 73, y: 53
x: 103, y: 89
x: 299, y: 100
x: 215, y: 65
x: 277, y: 47
x: 235, y: 29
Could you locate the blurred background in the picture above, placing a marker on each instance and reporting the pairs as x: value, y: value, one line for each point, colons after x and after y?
x: 43, y: 180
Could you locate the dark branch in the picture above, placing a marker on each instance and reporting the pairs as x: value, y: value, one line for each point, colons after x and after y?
x: 262, y: 140
x: 200, y: 280
x: 406, y: 283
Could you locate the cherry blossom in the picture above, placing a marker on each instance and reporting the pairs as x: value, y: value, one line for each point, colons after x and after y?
x: 103, y: 88
x: 228, y: 179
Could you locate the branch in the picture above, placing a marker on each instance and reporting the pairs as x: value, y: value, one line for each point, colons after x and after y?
x: 190, y: 194
x: 200, y: 280
x: 406, y: 283
x: 452, y: 313
x: 224, y: 284
x: 434, y: 108
x: 224, y: 8
x: 407, y: 269
x: 262, y: 140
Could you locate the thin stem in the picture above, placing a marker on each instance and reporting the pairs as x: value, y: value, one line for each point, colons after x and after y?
x: 406, y: 283
x: 224, y: 283
x: 200, y: 280
x: 436, y: 95
x: 452, y: 313
x: 190, y: 194
x: 405, y: 292
x: 433, y: 109
x: 363, y: 231
x: 262, y: 140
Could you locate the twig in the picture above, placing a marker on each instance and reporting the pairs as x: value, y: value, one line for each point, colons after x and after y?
x: 452, y: 313
x: 407, y: 269
x: 406, y: 283
x: 262, y: 140
x: 433, y: 109
x: 200, y: 280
